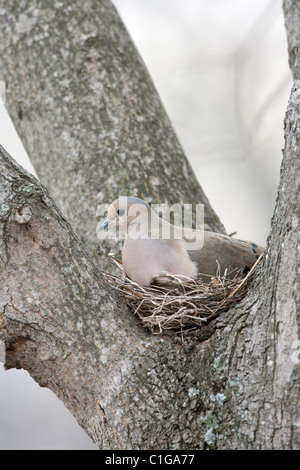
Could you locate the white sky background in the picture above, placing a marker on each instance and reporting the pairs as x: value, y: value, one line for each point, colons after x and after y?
x: 221, y: 69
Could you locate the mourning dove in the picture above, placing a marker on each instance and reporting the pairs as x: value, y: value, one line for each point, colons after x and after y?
x: 153, y: 246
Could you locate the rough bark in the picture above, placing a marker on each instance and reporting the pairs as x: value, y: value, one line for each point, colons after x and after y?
x: 232, y: 385
x: 291, y: 10
x: 88, y: 113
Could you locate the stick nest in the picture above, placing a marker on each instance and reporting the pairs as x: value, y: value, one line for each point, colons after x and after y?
x: 178, y: 302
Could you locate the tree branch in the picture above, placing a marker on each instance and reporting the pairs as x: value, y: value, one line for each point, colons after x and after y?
x: 86, y: 95
x: 291, y: 10
x: 63, y: 323
x: 57, y: 311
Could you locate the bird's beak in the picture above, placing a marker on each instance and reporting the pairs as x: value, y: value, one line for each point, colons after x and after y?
x: 104, y: 224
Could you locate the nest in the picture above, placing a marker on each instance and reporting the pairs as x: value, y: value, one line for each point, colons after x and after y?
x: 178, y: 302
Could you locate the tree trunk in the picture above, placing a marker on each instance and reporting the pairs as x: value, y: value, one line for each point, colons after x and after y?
x: 231, y: 385
x: 88, y: 114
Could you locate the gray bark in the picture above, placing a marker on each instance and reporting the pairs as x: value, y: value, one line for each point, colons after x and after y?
x: 291, y: 10
x: 231, y: 385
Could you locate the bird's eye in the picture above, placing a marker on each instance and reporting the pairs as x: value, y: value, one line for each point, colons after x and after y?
x: 120, y: 212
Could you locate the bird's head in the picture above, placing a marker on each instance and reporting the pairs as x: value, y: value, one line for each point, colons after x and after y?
x: 127, y: 213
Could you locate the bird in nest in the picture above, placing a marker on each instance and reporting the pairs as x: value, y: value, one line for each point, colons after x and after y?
x: 154, y: 247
